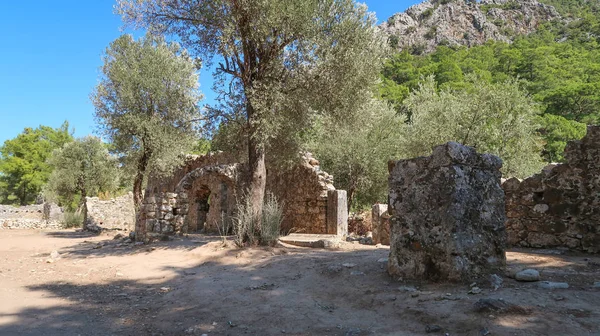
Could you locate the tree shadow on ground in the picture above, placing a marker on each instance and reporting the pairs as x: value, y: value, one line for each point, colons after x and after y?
x: 275, y: 291
x: 71, y: 234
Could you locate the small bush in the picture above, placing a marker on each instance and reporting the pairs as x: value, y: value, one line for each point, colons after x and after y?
x: 72, y: 219
x: 272, y: 217
x: 224, y: 226
x: 245, y: 228
x: 243, y: 225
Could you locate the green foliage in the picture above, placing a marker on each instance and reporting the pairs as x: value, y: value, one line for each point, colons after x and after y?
x: 72, y: 219
x: 266, y: 231
x: 202, y: 147
x: 494, y: 118
x: 147, y: 105
x: 81, y: 168
x: 283, y: 60
x: 272, y: 216
x: 557, y: 131
x: 356, y: 152
x: 563, y: 77
x: 23, y: 166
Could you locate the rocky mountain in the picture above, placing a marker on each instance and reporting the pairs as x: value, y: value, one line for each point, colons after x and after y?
x: 423, y: 27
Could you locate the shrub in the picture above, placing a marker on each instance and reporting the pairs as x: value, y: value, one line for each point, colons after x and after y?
x: 245, y: 229
x: 272, y: 217
x: 243, y: 222
x: 72, y: 219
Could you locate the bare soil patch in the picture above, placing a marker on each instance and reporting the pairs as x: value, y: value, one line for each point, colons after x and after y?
x: 195, y: 286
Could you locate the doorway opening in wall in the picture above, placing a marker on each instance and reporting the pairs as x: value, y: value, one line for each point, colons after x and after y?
x: 202, y: 197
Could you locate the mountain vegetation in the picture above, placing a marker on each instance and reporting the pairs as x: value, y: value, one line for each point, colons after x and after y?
x: 557, y: 65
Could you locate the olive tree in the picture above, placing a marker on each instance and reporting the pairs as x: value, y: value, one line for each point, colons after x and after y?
x: 494, y: 118
x: 147, y: 105
x: 281, y: 61
x: 81, y: 168
x: 357, y: 151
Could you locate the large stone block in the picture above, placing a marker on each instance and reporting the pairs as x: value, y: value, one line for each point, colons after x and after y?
x: 447, y: 215
x: 381, y: 224
x: 337, y: 212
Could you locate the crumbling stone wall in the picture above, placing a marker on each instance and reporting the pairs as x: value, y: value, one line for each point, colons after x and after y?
x: 114, y: 214
x: 39, y: 216
x: 206, y: 191
x: 447, y: 215
x: 560, y: 207
x: 303, y: 190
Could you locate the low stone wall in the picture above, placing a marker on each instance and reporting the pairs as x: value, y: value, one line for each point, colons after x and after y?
x: 447, y: 215
x: 39, y: 216
x: 560, y: 207
x: 114, y: 214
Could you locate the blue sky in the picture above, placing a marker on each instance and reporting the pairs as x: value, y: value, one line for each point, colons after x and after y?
x: 50, y: 58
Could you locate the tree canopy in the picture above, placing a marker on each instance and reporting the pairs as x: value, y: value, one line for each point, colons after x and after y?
x: 280, y: 62
x: 147, y: 105
x: 23, y: 166
x: 494, y: 118
x: 81, y: 168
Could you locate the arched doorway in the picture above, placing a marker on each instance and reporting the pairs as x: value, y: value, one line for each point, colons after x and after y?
x: 209, y: 197
x: 201, y: 208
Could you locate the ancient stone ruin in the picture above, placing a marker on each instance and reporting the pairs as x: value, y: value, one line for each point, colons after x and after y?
x: 560, y: 207
x: 206, y: 190
x: 380, y: 220
x: 38, y: 216
x: 113, y: 214
x: 447, y: 215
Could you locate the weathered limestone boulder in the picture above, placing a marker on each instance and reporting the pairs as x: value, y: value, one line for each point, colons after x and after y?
x: 447, y: 215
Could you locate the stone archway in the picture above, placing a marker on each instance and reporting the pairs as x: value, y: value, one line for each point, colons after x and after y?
x: 206, y: 196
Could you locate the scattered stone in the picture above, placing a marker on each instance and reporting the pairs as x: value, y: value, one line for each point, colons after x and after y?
x: 489, y: 305
x: 558, y: 297
x: 348, y: 265
x: 119, y: 274
x: 132, y: 235
x: 433, y: 328
x: 54, y: 255
x: 383, y: 260
x: 407, y: 289
x: 165, y: 289
x: 484, y: 332
x: 118, y: 236
x: 528, y: 275
x: 189, y: 272
x: 357, y: 273
x: 596, y: 284
x: 334, y: 268
x: 475, y: 290
x: 496, y: 281
x: 553, y: 285
x: 264, y: 286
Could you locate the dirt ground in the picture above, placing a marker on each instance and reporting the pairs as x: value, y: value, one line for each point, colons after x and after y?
x: 195, y: 286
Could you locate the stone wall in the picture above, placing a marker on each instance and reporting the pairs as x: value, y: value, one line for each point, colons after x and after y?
x: 303, y: 190
x: 39, y: 216
x: 117, y: 213
x: 447, y: 215
x: 560, y: 207
x: 206, y: 191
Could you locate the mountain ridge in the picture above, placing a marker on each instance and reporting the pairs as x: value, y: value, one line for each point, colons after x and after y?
x: 425, y: 26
